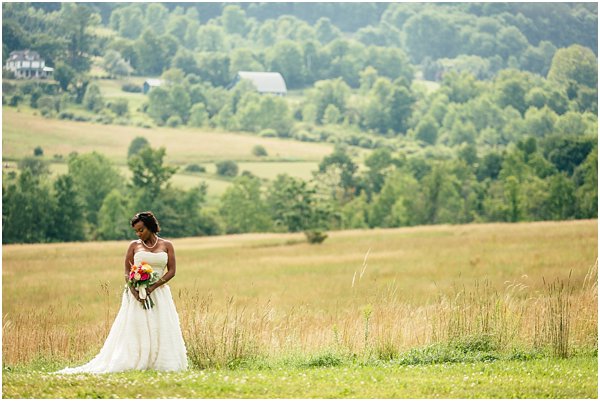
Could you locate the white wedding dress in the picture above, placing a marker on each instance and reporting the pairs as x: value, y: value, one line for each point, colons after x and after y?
x: 142, y: 339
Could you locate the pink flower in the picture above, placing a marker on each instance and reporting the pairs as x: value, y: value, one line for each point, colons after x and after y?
x: 145, y: 276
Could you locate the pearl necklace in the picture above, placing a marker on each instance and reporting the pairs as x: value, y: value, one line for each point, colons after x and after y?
x: 150, y: 247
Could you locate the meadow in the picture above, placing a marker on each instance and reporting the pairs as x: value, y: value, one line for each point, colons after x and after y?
x: 22, y: 131
x: 481, y: 310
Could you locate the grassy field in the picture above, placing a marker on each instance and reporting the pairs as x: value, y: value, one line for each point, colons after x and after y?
x: 544, y: 378
x: 22, y: 132
x: 216, y: 184
x: 440, y: 302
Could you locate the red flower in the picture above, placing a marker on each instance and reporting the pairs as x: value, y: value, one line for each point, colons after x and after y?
x: 145, y: 276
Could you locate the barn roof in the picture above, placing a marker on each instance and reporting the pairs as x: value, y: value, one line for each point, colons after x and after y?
x: 265, y: 82
x: 153, y: 82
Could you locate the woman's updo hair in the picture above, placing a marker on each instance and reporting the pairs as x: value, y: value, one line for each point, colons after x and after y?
x: 148, y: 219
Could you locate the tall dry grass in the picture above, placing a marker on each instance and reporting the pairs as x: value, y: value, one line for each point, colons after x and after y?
x: 371, y: 314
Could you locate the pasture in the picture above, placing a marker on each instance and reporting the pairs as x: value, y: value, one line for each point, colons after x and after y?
x: 22, y: 132
x: 492, y: 303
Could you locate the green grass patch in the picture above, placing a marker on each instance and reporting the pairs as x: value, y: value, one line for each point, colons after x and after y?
x: 540, y: 378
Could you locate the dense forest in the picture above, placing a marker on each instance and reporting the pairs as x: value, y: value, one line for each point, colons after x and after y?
x: 470, y: 112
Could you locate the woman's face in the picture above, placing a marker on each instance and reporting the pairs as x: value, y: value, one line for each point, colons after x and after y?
x: 141, y: 231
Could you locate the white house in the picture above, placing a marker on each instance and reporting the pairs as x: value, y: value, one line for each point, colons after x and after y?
x: 28, y: 64
x: 265, y: 82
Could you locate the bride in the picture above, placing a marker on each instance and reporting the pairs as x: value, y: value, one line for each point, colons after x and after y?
x: 143, y: 337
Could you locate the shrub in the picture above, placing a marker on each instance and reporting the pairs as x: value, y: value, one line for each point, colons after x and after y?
x: 7, y: 87
x: 138, y: 143
x: 198, y: 115
x: 46, y: 104
x: 119, y: 106
x: 132, y: 88
x: 15, y: 100
x: 194, y: 168
x: 259, y: 151
x: 38, y: 151
x: 174, y: 121
x: 66, y: 115
x: 35, y: 96
x: 268, y: 133
x: 227, y: 168
x: 315, y: 236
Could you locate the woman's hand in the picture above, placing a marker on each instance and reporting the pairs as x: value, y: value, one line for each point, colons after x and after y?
x: 136, y: 294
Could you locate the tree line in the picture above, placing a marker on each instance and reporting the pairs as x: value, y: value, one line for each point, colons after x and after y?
x: 550, y: 179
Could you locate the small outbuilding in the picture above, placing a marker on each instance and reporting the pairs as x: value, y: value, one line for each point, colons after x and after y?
x: 265, y: 82
x: 150, y: 84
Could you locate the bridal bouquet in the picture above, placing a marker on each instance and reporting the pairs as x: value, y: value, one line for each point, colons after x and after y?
x: 141, y: 277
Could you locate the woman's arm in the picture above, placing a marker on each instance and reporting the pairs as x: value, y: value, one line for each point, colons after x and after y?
x: 128, y: 264
x: 171, y: 266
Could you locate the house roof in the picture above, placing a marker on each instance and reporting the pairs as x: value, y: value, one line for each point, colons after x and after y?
x: 265, y: 82
x: 24, y: 55
x: 153, y: 82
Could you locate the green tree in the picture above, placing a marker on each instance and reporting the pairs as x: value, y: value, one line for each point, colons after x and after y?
x: 114, y: 217
x: 159, y: 105
x: 129, y: 21
x: 561, y: 200
x: 242, y: 207
x: 214, y: 68
x: 227, y: 168
x: 441, y: 200
x: 427, y: 130
x: 69, y: 220
x: 149, y: 173
x: 586, y: 177
x: 153, y: 52
x: 198, y: 115
x: 326, y: 31
x: 76, y: 21
x: 234, y: 20
x: 332, y: 115
x: 292, y: 204
x: 338, y: 170
x: 576, y: 64
x: 399, y: 108
x: 137, y: 144
x: 567, y: 152
x: 64, y: 75
x: 379, y: 164
x: 115, y: 64
x: 431, y: 33
x: 120, y: 107
x: 93, y: 100
x: 396, y: 203
x: 94, y: 177
x: 24, y: 204
x: 286, y: 58
x: 334, y: 92
x: 211, y: 38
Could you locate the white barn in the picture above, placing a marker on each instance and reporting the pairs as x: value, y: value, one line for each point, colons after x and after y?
x: 265, y: 82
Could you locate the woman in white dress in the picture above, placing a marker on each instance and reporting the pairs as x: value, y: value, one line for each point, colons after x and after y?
x: 143, y: 338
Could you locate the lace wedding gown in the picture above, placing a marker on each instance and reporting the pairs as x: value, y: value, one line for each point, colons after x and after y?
x: 142, y: 339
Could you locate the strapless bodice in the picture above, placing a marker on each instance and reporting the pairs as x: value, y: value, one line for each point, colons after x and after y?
x: 158, y: 260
